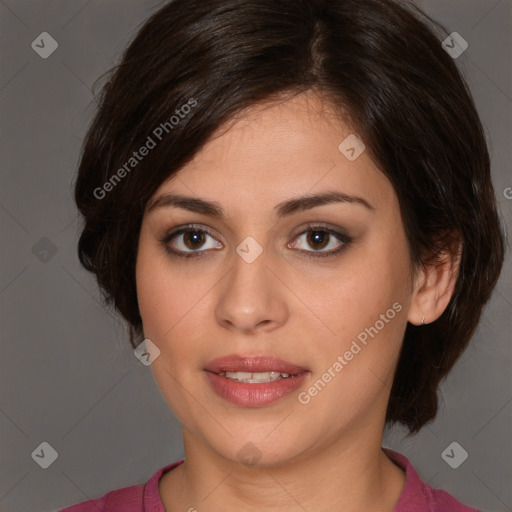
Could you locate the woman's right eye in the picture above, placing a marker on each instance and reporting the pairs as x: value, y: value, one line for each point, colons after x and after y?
x: 188, y: 241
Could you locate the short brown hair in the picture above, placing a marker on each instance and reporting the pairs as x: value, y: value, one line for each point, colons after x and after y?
x: 380, y: 63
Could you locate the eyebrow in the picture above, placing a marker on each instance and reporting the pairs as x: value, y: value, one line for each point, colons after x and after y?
x: 283, y: 209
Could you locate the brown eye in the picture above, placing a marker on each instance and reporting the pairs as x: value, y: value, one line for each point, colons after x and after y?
x: 189, y: 241
x: 318, y: 239
x: 193, y: 239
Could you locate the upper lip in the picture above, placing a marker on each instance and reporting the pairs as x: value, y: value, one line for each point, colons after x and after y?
x: 236, y: 363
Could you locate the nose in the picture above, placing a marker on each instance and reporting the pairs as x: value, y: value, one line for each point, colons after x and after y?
x: 252, y: 298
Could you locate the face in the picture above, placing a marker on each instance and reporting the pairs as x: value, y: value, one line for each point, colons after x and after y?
x: 323, y: 287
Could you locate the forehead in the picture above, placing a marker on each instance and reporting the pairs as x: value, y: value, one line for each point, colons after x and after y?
x: 277, y: 150
x: 269, y: 133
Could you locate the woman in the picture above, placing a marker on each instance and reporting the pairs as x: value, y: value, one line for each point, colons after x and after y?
x: 290, y: 202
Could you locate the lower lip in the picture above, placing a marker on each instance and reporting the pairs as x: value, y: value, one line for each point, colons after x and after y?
x: 254, y: 395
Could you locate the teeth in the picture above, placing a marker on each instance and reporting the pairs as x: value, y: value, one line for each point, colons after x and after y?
x: 256, y: 377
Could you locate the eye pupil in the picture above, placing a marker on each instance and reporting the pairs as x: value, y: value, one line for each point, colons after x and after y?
x: 198, y: 239
x: 318, y: 237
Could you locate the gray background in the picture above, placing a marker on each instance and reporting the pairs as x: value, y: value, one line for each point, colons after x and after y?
x: 68, y: 375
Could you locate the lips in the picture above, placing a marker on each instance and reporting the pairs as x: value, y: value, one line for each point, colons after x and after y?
x: 253, y: 364
x: 254, y: 381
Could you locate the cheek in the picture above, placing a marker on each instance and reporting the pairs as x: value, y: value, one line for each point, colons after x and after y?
x: 157, y: 305
x: 171, y: 303
x: 366, y: 285
x: 366, y: 312
x: 162, y: 304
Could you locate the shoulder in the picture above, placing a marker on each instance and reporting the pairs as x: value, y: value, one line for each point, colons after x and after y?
x: 135, y: 498
x: 127, y: 499
x: 441, y: 501
x: 417, y: 496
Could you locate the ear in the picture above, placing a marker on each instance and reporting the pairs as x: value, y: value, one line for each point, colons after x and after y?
x: 435, y: 283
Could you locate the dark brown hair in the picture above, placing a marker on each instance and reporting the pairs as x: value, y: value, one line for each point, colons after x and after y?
x: 380, y: 64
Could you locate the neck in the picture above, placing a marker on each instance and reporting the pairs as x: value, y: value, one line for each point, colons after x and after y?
x: 350, y: 475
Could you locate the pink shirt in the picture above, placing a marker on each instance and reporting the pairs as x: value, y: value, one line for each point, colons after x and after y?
x: 416, y: 495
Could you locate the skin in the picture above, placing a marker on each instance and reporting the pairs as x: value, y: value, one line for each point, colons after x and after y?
x: 305, y: 311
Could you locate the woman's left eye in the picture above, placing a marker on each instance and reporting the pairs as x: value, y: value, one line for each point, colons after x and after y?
x: 318, y: 237
x: 321, y: 238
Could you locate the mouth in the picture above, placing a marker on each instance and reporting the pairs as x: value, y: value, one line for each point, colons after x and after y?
x: 254, y: 381
x: 256, y: 368
x: 256, y: 377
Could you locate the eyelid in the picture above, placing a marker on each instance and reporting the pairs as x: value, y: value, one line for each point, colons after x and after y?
x: 321, y: 226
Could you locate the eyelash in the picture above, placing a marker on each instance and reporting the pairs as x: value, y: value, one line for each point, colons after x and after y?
x: 346, y: 241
